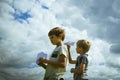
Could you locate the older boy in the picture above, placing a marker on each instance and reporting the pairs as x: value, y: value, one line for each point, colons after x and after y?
x: 56, y: 65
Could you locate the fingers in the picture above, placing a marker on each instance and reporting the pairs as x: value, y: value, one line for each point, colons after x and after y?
x: 72, y: 70
x: 40, y: 64
x: 42, y: 60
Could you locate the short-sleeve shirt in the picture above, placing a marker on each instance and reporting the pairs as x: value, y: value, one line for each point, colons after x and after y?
x: 81, y: 59
x: 52, y: 71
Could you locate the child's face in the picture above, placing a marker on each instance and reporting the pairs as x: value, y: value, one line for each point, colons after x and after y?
x: 79, y: 50
x: 54, y: 39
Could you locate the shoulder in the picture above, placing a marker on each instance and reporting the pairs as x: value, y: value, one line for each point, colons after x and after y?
x: 84, y: 56
x: 63, y: 50
x: 62, y: 47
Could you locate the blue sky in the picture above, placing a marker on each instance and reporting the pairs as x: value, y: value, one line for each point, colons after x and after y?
x: 24, y: 25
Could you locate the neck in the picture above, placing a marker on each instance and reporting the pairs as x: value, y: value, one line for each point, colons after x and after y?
x: 82, y: 53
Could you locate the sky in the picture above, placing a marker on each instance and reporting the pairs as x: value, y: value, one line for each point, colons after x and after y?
x: 24, y: 27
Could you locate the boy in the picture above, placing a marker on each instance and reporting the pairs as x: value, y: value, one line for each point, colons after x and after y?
x: 56, y: 65
x: 82, y: 46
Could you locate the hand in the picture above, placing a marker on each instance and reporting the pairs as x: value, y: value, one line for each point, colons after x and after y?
x: 41, y: 64
x: 72, y: 70
x: 42, y: 60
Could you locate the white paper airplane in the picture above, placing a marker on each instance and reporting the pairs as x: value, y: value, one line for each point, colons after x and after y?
x: 69, y: 43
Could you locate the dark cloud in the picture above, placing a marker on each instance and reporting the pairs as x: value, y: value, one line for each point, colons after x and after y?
x: 103, y: 17
x: 102, y: 14
x: 115, y: 48
x: 6, y: 74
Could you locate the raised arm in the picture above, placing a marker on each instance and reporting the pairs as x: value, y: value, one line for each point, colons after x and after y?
x: 69, y: 56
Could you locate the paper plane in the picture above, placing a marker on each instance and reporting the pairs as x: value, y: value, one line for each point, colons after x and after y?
x: 69, y: 43
x: 41, y: 54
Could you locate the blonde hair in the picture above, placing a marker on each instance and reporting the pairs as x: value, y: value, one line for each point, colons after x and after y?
x: 84, y: 44
x: 57, y: 31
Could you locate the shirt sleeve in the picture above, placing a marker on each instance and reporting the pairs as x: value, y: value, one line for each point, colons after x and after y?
x: 83, y: 59
x: 63, y: 51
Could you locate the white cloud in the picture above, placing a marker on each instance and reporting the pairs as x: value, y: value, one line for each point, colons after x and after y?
x: 28, y: 4
x: 5, y: 10
x: 77, y: 34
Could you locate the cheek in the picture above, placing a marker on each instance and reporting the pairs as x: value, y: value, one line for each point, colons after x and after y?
x: 76, y: 50
x: 51, y: 40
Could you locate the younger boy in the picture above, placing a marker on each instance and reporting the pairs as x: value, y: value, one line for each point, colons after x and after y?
x: 56, y: 65
x: 82, y: 47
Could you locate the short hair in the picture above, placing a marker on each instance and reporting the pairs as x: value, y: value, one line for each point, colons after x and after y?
x: 57, y: 31
x: 84, y: 44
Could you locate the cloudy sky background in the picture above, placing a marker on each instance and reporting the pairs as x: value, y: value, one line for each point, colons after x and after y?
x: 24, y: 25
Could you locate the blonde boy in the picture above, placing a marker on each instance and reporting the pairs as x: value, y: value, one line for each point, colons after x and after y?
x: 82, y: 47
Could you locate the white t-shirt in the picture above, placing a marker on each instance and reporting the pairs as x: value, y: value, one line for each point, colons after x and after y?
x: 51, y: 70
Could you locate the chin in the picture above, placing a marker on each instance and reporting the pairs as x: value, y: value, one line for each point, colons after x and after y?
x: 53, y: 43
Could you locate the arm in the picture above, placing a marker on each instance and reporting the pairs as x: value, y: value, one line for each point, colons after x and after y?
x: 61, y: 63
x: 69, y: 56
x: 80, y: 70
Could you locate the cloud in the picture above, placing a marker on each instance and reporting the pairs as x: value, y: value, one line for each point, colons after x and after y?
x: 23, y: 7
x: 100, y: 21
x: 24, y: 28
x: 20, y: 43
x: 115, y: 48
x: 23, y: 73
x: 115, y: 6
